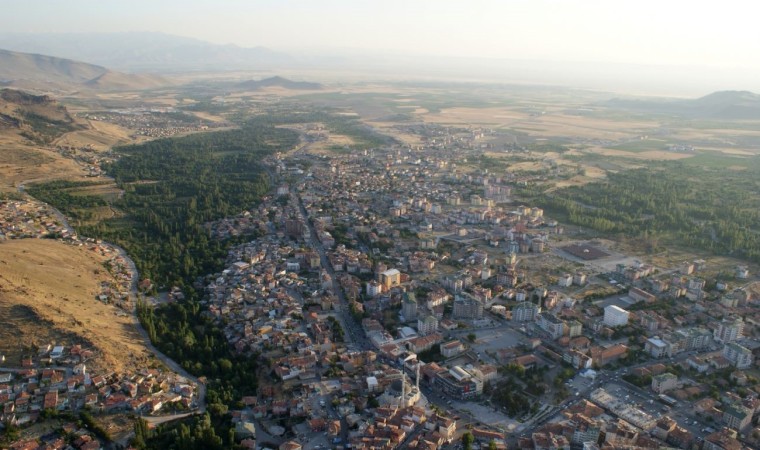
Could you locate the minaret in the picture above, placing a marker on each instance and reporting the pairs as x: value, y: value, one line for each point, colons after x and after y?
x: 418, y: 376
x: 403, y: 388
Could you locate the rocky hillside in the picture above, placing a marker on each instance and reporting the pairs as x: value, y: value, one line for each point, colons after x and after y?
x: 38, y: 118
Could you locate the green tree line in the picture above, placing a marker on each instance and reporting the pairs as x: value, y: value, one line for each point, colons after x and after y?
x: 716, y: 210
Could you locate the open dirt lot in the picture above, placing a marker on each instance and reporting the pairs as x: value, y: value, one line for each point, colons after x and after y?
x: 48, y: 295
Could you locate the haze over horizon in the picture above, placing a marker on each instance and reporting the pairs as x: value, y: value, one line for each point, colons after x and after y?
x: 675, y: 39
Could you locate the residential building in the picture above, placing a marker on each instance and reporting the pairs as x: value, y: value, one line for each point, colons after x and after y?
x: 452, y: 348
x: 574, y: 328
x: 551, y: 324
x: 737, y: 417
x: 459, y: 383
x: 390, y: 278
x: 739, y: 356
x: 615, y: 316
x: 664, y: 382
x: 724, y: 439
x: 586, y: 429
x: 466, y: 307
x: 640, y: 295
x: 579, y: 279
x: 729, y: 329
x: 525, y: 312
x: 656, y: 347
x: 427, y: 325
x: 374, y: 289
x: 409, y: 307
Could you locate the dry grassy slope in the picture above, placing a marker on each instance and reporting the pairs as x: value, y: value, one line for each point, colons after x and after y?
x: 20, y: 159
x: 99, y: 135
x: 48, y: 294
x: 111, y: 80
x: 41, y: 72
x: 29, y: 66
x: 20, y: 163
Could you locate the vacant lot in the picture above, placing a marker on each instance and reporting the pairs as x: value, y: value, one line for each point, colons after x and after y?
x: 48, y: 295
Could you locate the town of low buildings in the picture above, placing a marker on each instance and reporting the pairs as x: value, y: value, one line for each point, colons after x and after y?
x: 387, y: 295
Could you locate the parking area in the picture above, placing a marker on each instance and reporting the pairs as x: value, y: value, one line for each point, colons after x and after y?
x: 647, y: 403
x: 496, y: 339
x: 310, y: 440
x: 486, y: 415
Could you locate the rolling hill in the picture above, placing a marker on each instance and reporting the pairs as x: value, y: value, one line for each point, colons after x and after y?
x: 32, y: 71
x: 28, y: 66
x: 48, y: 294
x: 122, y: 81
x: 721, y: 105
x: 278, y: 82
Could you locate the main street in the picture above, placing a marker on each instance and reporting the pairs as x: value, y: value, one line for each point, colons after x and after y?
x: 353, y: 332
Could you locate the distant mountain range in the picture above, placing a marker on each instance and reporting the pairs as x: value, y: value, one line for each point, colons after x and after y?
x: 728, y: 105
x: 278, y: 82
x: 142, y: 52
x: 34, y: 71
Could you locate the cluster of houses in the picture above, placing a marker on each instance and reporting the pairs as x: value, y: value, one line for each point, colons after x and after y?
x: 154, y: 123
x: 20, y: 219
x: 69, y: 436
x: 90, y: 159
x: 57, y: 379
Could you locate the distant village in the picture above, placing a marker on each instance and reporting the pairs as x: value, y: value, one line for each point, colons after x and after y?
x: 154, y: 122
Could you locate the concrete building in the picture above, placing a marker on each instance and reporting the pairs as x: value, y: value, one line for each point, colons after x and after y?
x: 724, y: 439
x: 374, y: 289
x: 452, y: 348
x: 729, y: 329
x: 656, y: 347
x: 615, y: 316
x: 459, y: 383
x: 574, y: 328
x: 525, y: 312
x: 586, y: 430
x: 739, y: 356
x: 467, y: 308
x: 737, y: 417
x: 409, y: 307
x: 688, y: 339
x: 390, y: 278
x: 664, y: 382
x: 551, y: 324
x: 640, y: 295
x: 427, y: 325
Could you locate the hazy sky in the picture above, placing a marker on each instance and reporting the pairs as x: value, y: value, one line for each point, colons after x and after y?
x: 671, y: 32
